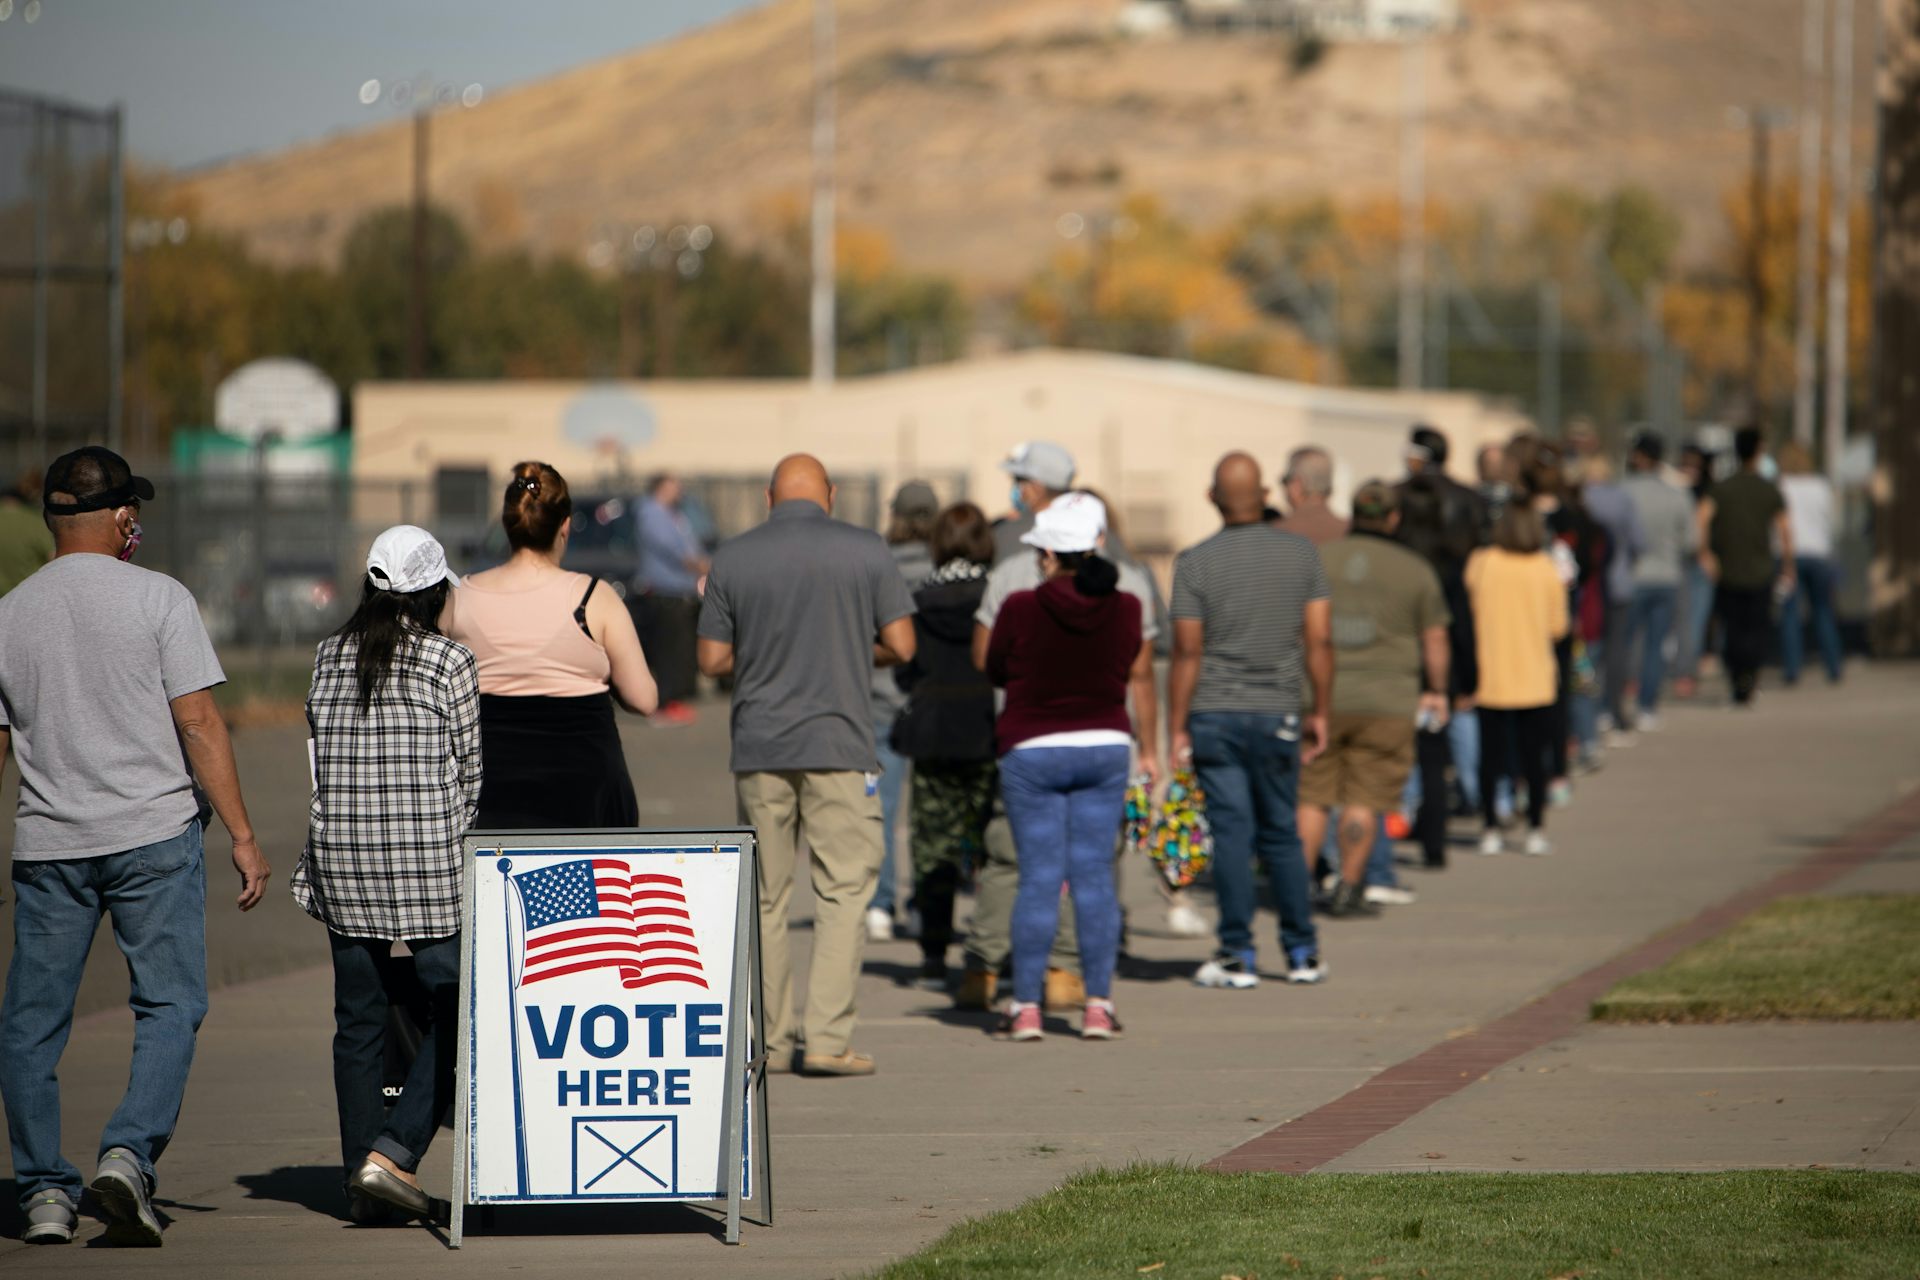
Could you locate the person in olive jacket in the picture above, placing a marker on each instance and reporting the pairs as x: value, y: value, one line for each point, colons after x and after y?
x: 946, y: 729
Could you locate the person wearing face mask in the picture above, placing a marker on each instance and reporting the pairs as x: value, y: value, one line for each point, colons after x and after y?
x: 106, y: 679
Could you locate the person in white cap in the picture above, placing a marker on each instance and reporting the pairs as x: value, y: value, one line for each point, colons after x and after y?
x: 395, y: 712
x: 1066, y: 654
x: 1036, y: 468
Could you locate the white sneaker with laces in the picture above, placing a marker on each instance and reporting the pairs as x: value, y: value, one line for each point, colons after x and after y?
x: 1229, y: 972
x: 1390, y: 895
x: 1537, y: 844
x: 1492, y: 842
x: 879, y: 925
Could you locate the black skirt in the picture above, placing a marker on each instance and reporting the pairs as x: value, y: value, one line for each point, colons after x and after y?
x: 552, y: 763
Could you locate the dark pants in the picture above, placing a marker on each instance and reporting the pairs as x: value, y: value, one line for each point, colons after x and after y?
x: 363, y: 980
x: 1812, y: 600
x: 1746, y: 619
x: 1430, y: 824
x: 1560, y: 718
x: 1249, y: 770
x: 1507, y: 735
x: 1617, y: 661
x: 669, y: 639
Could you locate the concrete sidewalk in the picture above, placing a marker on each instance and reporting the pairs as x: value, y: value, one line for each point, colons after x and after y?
x: 957, y: 1124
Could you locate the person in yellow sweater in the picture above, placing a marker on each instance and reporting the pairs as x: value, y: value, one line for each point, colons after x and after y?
x: 1519, y: 612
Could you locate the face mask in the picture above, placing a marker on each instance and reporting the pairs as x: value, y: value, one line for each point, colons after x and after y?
x: 133, y: 541
x: 1019, y: 500
x: 1769, y: 469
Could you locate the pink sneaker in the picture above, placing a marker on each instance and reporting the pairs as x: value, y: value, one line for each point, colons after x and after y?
x: 1022, y: 1022
x: 1099, y: 1022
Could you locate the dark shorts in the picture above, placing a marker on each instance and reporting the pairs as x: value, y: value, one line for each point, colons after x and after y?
x: 1366, y: 763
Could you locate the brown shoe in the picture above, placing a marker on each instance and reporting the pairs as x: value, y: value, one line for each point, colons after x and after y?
x: 977, y: 989
x: 1065, y: 990
x: 846, y: 1064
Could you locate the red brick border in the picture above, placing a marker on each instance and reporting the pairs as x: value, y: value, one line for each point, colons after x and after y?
x: 1403, y: 1091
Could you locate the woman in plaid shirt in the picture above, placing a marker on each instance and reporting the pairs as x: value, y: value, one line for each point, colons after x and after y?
x: 395, y: 715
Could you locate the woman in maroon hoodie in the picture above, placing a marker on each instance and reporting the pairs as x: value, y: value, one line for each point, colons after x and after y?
x: 1064, y: 653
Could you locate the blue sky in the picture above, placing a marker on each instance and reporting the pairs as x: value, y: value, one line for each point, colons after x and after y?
x: 206, y: 79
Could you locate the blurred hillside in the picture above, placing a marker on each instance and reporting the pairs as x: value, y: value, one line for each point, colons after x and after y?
x: 968, y: 130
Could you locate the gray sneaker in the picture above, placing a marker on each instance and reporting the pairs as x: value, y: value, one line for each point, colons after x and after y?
x: 124, y: 1198
x: 50, y: 1219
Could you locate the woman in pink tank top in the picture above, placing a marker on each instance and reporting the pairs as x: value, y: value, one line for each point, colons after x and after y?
x: 554, y: 653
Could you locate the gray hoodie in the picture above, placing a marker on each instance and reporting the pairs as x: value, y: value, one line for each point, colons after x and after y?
x: 1666, y: 522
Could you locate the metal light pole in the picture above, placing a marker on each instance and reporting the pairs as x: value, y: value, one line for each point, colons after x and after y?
x: 423, y: 96
x: 1761, y: 120
x: 821, y: 309
x: 1839, y: 237
x: 1807, y: 254
x: 1413, y: 209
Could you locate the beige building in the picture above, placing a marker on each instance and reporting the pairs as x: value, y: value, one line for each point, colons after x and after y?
x: 1145, y: 432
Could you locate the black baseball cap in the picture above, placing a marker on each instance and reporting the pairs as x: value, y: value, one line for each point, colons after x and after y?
x: 96, y: 479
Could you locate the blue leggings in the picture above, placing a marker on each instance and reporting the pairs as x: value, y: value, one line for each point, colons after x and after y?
x: 1065, y: 805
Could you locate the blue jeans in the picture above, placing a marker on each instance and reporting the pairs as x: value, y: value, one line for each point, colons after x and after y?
x: 1064, y: 804
x: 1249, y: 768
x: 893, y: 785
x: 1696, y: 619
x: 363, y: 977
x: 1649, y: 623
x: 1812, y: 596
x: 157, y: 898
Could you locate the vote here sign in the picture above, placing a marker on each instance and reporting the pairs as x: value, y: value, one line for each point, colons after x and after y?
x: 601, y: 1044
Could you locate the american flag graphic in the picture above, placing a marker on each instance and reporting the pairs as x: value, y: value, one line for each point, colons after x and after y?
x: 595, y: 913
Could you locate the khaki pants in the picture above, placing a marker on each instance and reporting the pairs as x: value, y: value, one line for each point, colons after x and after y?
x: 990, y: 940
x: 841, y: 821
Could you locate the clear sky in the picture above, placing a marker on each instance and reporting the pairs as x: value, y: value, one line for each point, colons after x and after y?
x: 207, y: 79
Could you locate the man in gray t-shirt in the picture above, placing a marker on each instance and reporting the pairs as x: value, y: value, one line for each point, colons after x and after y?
x: 105, y: 679
x: 799, y: 611
x: 1667, y: 522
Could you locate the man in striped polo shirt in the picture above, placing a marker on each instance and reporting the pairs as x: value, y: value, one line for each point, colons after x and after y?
x: 1251, y: 615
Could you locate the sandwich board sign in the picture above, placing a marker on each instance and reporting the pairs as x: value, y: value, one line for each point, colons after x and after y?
x: 610, y: 1036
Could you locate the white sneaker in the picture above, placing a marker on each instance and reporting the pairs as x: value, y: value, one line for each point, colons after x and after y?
x: 1647, y: 723
x: 1388, y: 895
x: 1229, y: 972
x: 1621, y: 738
x: 879, y: 925
x: 1537, y: 844
x: 1492, y: 843
x: 1184, y: 922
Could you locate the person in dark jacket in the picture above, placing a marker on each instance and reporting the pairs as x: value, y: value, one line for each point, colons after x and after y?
x: 1424, y: 529
x: 946, y: 730
x: 1066, y: 654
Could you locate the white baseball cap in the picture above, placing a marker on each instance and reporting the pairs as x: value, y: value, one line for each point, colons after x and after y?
x: 1071, y: 522
x: 406, y: 558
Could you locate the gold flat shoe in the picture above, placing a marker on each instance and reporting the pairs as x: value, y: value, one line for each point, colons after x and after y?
x: 371, y: 1180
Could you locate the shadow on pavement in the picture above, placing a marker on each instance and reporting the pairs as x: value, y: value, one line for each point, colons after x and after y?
x: 311, y: 1186
x: 602, y: 1220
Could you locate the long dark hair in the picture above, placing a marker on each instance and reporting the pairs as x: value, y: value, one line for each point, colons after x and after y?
x: 379, y: 625
x: 1093, y: 574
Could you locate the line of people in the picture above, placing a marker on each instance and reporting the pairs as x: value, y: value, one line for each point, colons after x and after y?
x: 1444, y: 637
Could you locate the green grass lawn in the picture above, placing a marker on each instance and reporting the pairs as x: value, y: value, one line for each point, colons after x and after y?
x: 1831, y: 958
x: 1171, y: 1223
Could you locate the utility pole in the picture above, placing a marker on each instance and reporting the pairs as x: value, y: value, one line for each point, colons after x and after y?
x: 422, y: 96
x: 1761, y: 121
x: 1807, y: 253
x: 1894, y: 584
x: 1839, y: 233
x: 417, y: 275
x: 821, y: 311
x: 1413, y: 209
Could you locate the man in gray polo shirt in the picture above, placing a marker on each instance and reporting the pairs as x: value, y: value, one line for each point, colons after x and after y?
x: 799, y: 611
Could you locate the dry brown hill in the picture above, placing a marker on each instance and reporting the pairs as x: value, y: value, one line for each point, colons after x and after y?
x: 968, y: 128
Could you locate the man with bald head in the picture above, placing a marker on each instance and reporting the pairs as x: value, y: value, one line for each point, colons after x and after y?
x: 799, y: 612
x: 1251, y: 621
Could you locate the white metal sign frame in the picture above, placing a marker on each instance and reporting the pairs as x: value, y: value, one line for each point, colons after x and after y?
x: 744, y: 1163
